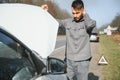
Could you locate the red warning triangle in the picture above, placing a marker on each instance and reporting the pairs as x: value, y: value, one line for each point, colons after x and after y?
x: 102, y: 61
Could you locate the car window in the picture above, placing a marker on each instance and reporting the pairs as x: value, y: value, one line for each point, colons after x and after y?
x: 7, y: 47
x: 12, y: 58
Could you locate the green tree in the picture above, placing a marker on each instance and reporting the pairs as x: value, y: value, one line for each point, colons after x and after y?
x: 58, y: 13
x: 103, y: 27
x: 116, y: 22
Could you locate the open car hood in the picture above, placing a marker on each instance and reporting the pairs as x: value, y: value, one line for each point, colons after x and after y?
x: 32, y: 25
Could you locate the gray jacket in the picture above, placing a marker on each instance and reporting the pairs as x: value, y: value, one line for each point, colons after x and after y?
x: 77, y: 37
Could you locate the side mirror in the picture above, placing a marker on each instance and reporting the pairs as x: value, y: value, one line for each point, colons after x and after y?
x: 53, y: 66
x: 56, y: 66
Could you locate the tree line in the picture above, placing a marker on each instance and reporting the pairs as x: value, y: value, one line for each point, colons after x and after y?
x: 54, y: 9
x: 116, y: 22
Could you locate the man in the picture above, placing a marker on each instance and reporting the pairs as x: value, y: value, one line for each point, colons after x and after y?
x: 78, y: 29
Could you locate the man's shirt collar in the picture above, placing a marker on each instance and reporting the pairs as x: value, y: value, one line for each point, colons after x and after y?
x: 73, y: 20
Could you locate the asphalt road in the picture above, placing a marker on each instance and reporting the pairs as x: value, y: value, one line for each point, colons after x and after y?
x: 60, y: 43
x: 95, y: 70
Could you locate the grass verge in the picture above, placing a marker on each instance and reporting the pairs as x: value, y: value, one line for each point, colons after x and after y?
x: 111, y: 51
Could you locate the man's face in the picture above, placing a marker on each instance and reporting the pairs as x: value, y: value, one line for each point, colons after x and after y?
x: 77, y: 14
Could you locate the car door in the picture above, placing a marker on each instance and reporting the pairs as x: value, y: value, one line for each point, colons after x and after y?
x: 15, y: 63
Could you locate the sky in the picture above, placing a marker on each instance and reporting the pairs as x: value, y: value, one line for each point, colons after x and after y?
x: 103, y: 11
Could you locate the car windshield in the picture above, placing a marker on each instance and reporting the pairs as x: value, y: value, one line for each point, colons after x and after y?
x: 12, y: 60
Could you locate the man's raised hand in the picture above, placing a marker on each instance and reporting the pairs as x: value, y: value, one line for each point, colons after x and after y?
x: 45, y: 7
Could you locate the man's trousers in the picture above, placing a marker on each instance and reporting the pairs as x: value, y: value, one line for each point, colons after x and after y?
x: 77, y: 69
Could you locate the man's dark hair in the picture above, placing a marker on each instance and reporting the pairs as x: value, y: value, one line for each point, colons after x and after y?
x: 77, y: 4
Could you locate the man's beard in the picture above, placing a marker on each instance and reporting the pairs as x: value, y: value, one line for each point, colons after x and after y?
x: 78, y: 19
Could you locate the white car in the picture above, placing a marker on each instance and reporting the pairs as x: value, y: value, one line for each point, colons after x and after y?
x: 94, y: 37
x: 27, y: 38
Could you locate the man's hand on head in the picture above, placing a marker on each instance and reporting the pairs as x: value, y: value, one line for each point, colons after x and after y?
x: 84, y: 12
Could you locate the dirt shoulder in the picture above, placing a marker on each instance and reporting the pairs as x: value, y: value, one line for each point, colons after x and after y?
x: 95, y: 70
x: 115, y: 37
x: 61, y: 37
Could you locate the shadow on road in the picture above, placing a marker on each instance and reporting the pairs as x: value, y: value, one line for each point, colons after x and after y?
x: 91, y: 76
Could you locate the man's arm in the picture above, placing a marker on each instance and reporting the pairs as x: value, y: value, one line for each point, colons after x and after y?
x: 89, y: 23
